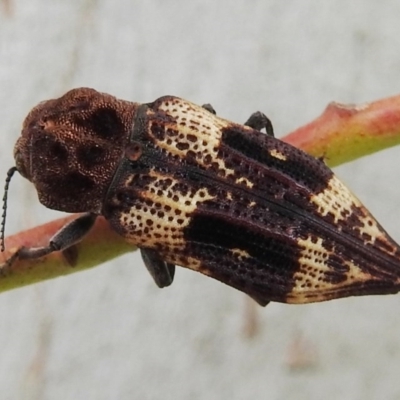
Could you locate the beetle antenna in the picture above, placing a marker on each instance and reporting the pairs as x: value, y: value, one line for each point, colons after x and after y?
x: 10, y: 173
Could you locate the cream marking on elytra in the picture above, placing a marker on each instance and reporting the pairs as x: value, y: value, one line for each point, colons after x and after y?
x: 310, y: 280
x: 371, y: 229
x: 240, y: 253
x: 277, y: 154
x: 245, y: 181
x: 200, y: 135
x: 170, y: 217
x: 335, y: 199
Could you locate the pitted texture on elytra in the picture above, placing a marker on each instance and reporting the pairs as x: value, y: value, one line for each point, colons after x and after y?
x: 266, y: 198
x: 162, y: 209
x: 328, y: 270
x: 322, y: 269
x: 194, y: 135
x: 337, y: 204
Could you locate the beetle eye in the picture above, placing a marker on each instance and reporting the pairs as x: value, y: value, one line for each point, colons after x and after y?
x: 20, y: 164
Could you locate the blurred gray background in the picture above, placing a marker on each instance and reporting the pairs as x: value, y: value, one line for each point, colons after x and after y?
x: 109, y: 333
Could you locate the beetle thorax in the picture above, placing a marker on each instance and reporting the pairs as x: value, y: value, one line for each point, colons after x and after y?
x: 70, y: 148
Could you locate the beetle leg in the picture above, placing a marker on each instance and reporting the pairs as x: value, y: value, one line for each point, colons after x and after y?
x: 161, y: 271
x: 258, y: 121
x: 209, y: 108
x: 66, y: 237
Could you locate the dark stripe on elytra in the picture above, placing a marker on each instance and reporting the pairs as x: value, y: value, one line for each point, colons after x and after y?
x: 272, y: 263
x: 269, y: 271
x: 248, y: 275
x: 261, y: 279
x: 298, y: 165
x: 275, y: 249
